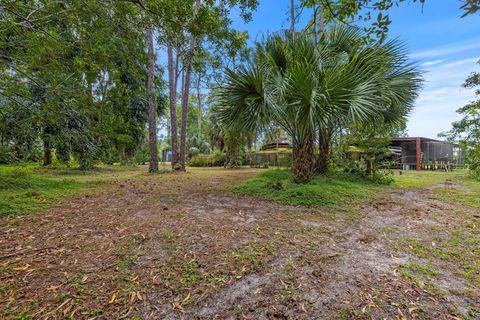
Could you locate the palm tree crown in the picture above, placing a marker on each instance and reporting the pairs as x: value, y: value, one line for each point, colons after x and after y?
x: 303, y: 86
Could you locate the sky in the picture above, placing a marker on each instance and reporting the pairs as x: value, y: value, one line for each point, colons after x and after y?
x: 445, y: 46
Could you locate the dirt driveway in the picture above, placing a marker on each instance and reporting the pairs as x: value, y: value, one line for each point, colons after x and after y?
x: 181, y: 247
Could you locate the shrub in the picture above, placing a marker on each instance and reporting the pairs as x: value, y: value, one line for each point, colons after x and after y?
x: 377, y: 177
x: 286, y: 161
x: 7, y: 155
x: 216, y: 159
x: 198, y: 161
x: 193, y: 152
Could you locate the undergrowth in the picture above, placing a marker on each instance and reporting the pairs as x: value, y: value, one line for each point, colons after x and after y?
x: 336, y: 189
x: 27, y: 188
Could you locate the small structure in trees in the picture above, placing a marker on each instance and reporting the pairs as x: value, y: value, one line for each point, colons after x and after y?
x: 271, y: 154
x: 418, y: 153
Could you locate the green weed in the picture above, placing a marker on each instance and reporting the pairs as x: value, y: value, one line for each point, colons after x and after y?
x: 27, y: 188
x: 337, y: 189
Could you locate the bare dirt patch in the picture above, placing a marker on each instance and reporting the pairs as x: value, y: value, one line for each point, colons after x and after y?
x: 179, y: 247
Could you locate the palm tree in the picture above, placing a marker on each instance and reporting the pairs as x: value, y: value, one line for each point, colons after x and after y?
x: 305, y: 86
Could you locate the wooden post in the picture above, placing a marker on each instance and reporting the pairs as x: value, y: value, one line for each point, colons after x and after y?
x: 419, y: 154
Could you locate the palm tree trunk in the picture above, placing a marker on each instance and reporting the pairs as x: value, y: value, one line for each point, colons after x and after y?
x: 172, y: 84
x: 152, y: 117
x: 303, y: 160
x: 324, y: 141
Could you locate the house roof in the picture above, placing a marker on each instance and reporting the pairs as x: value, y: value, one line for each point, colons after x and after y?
x: 415, y: 139
x: 422, y: 139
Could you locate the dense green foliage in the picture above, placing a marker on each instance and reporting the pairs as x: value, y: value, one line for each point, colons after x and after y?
x: 467, y: 130
x: 215, y: 159
x: 73, y: 77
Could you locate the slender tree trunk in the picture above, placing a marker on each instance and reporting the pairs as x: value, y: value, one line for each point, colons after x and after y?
x: 199, y: 100
x: 172, y: 83
x: 47, y: 152
x: 303, y: 160
x: 185, y: 95
x: 183, y: 128
x: 292, y: 16
x: 177, y: 73
x: 121, y: 155
x: 152, y: 120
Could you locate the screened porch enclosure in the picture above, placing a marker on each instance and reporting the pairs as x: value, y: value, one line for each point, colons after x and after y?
x: 427, y: 154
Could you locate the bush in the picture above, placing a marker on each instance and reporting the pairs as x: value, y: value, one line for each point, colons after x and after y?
x: 199, y: 161
x: 473, y: 162
x: 7, y: 155
x: 216, y: 159
x: 378, y: 177
x: 286, y: 161
x: 193, y: 152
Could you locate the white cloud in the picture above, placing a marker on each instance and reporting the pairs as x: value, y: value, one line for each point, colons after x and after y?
x: 432, y: 63
x: 457, y: 63
x: 449, y: 74
x: 442, y: 95
x: 452, y: 48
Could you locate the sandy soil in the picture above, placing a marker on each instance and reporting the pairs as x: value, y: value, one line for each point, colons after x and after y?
x: 180, y: 247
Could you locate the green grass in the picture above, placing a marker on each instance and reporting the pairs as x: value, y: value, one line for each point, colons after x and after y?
x: 423, y: 179
x: 468, y: 195
x: 340, y: 188
x: 425, y: 269
x: 27, y: 188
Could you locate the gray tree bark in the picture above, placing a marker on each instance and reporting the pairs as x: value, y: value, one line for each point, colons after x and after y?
x: 185, y: 95
x: 199, y: 101
x: 172, y: 84
x: 152, y: 115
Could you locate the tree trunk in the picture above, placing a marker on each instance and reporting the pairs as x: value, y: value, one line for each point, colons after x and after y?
x: 303, y: 160
x: 172, y: 83
x: 152, y: 116
x: 232, y: 160
x: 183, y: 128
x: 321, y: 166
x: 371, y: 164
x: 292, y: 15
x: 186, y: 94
x: 121, y: 155
x: 47, y: 152
x: 199, y: 101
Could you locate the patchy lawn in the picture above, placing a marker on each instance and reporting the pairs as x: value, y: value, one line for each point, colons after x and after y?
x: 185, y: 246
x: 28, y: 188
x: 337, y: 189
